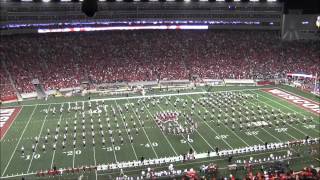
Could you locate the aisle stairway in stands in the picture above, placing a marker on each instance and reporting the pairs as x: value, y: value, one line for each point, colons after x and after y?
x: 4, y: 65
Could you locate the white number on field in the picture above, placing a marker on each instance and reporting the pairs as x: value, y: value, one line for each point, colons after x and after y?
x: 70, y: 153
x: 115, y: 148
x: 154, y: 144
x: 185, y: 141
x: 310, y: 126
x: 252, y: 133
x: 222, y: 137
x: 35, y: 156
x: 281, y: 129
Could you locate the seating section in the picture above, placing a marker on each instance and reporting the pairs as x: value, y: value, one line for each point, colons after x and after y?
x: 64, y: 60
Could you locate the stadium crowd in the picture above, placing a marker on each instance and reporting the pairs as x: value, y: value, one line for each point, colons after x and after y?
x: 6, y: 88
x: 309, y: 173
x: 64, y: 60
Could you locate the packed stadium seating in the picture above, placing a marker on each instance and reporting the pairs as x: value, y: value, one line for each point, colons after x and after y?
x: 306, y: 173
x: 6, y: 88
x: 64, y: 60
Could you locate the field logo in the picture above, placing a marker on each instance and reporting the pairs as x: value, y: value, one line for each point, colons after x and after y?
x: 165, y: 117
x: 304, y: 103
x: 173, y: 122
x: 7, y: 116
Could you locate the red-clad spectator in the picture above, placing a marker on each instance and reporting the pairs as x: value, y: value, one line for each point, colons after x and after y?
x: 64, y: 60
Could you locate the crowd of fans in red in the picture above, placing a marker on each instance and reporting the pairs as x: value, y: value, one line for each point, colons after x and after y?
x: 307, y: 173
x: 6, y: 88
x: 64, y: 60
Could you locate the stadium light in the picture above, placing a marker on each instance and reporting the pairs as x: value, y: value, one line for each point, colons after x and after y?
x: 65, y: 0
x: 271, y: 0
x: 254, y: 0
x: 203, y: 0
x: 26, y: 0
x: 187, y: 0
x: 236, y: 0
x: 45, y: 0
x: 220, y: 0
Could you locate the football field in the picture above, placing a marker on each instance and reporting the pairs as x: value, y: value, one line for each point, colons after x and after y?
x: 108, y: 131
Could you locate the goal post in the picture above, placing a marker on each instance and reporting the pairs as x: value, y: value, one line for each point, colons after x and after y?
x: 298, y: 77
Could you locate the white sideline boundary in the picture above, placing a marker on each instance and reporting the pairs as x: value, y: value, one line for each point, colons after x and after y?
x: 289, y: 108
x: 15, y: 149
x: 250, y: 151
x: 29, y: 174
x: 4, y: 135
x: 207, y: 161
x: 146, y: 96
x: 132, y: 97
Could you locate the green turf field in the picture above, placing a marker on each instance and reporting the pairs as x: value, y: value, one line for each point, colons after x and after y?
x: 219, y: 128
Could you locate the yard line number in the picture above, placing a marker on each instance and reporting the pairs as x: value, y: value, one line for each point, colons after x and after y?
x: 310, y: 126
x: 223, y: 136
x: 35, y: 156
x: 281, y: 129
x: 252, y: 133
x: 183, y: 141
x: 115, y: 148
x: 70, y: 153
x: 148, y: 145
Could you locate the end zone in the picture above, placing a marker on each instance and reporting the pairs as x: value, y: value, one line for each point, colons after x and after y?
x: 303, y: 103
x: 7, y: 116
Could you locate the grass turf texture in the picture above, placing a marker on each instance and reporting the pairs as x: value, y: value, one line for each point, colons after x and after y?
x: 150, y: 141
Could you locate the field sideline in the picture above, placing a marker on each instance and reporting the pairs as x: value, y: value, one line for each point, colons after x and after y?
x: 150, y: 142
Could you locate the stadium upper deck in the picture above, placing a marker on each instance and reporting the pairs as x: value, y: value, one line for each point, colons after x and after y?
x: 35, y: 13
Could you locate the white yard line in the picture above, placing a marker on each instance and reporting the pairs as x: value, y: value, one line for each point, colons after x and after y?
x: 15, y: 149
x: 234, y: 132
x: 95, y: 161
x: 114, y: 153
x: 194, y: 129
x: 298, y: 95
x: 272, y: 124
x: 73, y: 157
x: 162, y: 133
x: 54, y: 151
x: 134, y: 151
x: 211, y: 127
x: 261, y: 127
x: 287, y: 108
x: 35, y: 149
x: 224, y: 125
x: 155, y: 153
x: 94, y: 155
